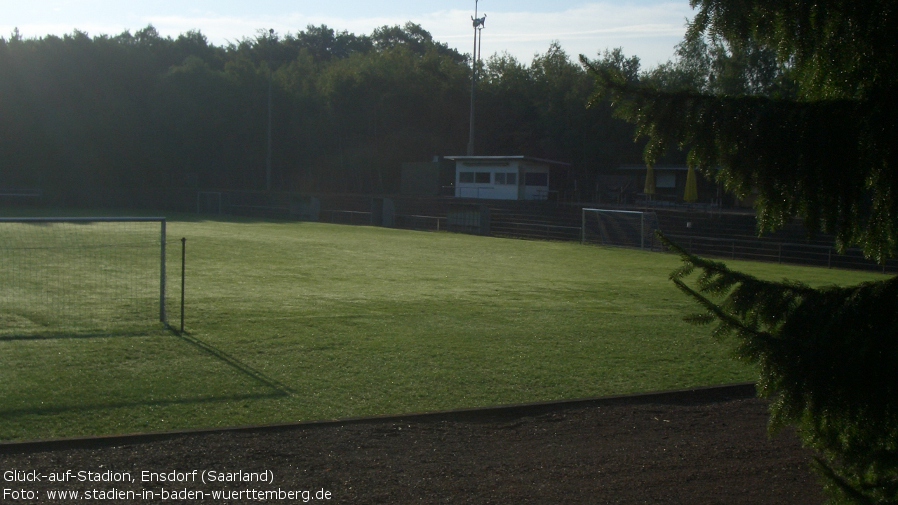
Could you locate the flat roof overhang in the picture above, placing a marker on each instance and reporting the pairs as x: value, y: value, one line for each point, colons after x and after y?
x: 482, y: 160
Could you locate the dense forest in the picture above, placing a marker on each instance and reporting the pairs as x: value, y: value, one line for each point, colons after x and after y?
x: 127, y: 119
x: 137, y: 118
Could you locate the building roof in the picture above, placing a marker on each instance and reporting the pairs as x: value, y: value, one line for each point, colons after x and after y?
x: 678, y: 168
x: 493, y: 159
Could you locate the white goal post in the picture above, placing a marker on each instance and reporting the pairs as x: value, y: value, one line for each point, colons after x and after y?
x: 622, y: 228
x: 80, y: 274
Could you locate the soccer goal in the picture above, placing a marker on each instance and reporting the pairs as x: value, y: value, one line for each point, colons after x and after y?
x: 211, y: 202
x: 81, y: 274
x: 623, y: 228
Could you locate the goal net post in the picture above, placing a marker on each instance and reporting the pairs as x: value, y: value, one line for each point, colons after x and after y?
x: 621, y: 228
x: 74, y: 275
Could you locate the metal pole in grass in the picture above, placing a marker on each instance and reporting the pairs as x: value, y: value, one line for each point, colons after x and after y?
x: 183, y: 257
x: 642, y: 231
x: 162, y: 315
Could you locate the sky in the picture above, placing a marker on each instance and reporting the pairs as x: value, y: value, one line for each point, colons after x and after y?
x: 646, y: 28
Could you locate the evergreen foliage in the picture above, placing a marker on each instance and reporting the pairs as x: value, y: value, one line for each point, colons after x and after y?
x: 711, y: 65
x: 815, y: 136
x: 823, y: 150
x: 827, y: 360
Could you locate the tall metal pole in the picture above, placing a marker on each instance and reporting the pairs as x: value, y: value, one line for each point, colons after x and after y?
x: 183, y: 262
x: 479, y: 41
x: 268, y: 158
x: 475, y: 57
x: 162, y: 315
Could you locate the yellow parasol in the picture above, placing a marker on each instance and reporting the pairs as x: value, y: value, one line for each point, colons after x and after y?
x: 691, y: 194
x: 649, y: 181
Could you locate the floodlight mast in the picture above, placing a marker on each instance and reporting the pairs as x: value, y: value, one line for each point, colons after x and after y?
x: 475, y: 58
x: 268, y: 154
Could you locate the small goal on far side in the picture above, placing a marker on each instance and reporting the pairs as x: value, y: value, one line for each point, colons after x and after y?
x: 620, y: 228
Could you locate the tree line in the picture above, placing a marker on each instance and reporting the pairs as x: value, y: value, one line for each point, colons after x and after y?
x: 126, y: 119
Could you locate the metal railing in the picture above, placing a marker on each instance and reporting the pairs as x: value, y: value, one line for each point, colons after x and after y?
x: 348, y: 217
x: 535, y: 230
x: 779, y: 252
x: 418, y: 222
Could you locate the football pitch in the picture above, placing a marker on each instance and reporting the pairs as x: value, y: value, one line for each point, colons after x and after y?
x: 295, y: 321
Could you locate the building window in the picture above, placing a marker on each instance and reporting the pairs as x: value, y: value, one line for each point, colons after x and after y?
x: 507, y: 178
x: 536, y: 179
x: 666, y: 181
x: 474, y: 177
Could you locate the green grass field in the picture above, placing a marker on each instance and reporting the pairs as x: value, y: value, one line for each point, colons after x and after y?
x: 303, y: 321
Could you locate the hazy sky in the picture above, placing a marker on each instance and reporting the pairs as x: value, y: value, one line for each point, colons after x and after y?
x: 646, y: 28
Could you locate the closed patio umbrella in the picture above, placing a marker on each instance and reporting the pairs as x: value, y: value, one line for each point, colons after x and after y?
x: 691, y: 194
x: 649, y: 189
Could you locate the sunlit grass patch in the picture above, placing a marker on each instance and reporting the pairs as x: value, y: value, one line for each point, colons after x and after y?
x: 302, y: 321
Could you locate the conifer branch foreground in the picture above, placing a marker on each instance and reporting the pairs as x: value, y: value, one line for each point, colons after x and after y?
x: 827, y: 359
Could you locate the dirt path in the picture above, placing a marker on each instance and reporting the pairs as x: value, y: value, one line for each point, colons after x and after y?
x: 703, y: 447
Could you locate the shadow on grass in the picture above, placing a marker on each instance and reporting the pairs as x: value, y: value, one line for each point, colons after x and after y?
x: 245, y: 369
x: 73, y: 336
x: 119, y: 405
x: 186, y: 217
x: 279, y: 390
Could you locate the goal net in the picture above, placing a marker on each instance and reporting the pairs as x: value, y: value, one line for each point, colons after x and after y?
x: 623, y: 228
x: 75, y: 275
